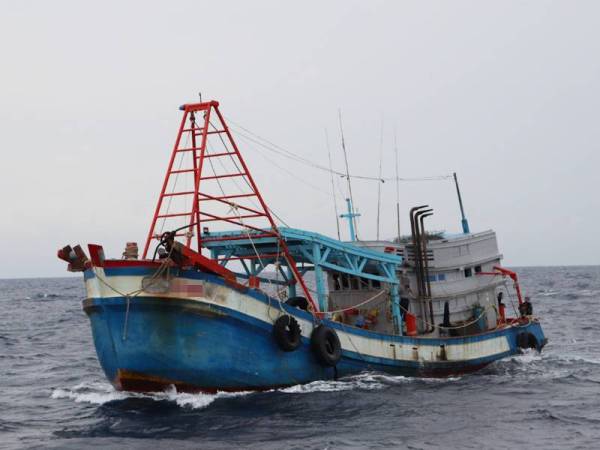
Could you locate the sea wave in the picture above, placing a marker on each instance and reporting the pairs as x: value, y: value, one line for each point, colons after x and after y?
x: 99, y: 393
x: 363, y: 381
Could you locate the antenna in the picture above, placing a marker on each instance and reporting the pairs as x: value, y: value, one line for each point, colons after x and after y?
x: 351, y: 203
x: 335, y: 208
x: 397, y: 187
x: 465, y: 223
x: 381, y: 181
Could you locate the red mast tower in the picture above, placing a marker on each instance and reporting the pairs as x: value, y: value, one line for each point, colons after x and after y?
x: 219, y: 194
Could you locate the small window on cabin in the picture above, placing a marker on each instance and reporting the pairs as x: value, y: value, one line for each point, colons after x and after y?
x: 336, y: 282
x: 375, y: 284
x: 355, y: 283
x: 468, y: 272
x: 345, y: 283
x: 441, y: 277
x: 477, y: 269
x: 432, y: 278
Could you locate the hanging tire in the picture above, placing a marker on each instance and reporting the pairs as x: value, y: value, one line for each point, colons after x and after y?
x: 287, y: 334
x: 326, y: 346
x: 527, y: 340
x: 298, y: 302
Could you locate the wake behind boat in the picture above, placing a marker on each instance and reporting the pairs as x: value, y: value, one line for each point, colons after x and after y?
x: 221, y: 303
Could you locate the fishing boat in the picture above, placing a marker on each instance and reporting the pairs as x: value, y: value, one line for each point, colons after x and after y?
x: 220, y: 298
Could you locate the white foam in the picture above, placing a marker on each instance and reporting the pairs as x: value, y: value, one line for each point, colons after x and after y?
x: 100, y: 393
x: 328, y: 386
x: 527, y: 357
x: 368, y: 381
x: 96, y: 398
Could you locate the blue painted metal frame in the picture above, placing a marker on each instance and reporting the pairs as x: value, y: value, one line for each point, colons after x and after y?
x: 350, y: 215
x: 322, y: 252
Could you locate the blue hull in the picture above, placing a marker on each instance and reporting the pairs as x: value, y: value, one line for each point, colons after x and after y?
x: 203, y: 347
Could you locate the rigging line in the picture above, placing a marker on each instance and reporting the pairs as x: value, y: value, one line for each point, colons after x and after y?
x: 379, y: 184
x: 397, y: 186
x: 164, y: 221
x: 353, y: 218
x: 252, y: 202
x: 293, y: 175
x: 297, y: 158
x: 272, y: 144
x: 288, y: 154
x: 335, y: 208
x: 227, y: 149
x: 245, y: 227
x: 305, y: 161
x: 276, y: 149
x: 245, y: 179
x: 234, y: 208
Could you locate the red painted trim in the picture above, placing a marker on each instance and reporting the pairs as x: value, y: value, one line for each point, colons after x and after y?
x: 96, y: 255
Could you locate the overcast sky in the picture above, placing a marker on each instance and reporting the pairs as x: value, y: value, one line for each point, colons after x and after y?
x: 504, y: 93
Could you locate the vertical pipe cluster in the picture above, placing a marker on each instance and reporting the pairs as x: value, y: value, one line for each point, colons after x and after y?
x: 419, y: 245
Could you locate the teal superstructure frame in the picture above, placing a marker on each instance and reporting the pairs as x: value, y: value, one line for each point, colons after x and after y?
x: 320, y: 252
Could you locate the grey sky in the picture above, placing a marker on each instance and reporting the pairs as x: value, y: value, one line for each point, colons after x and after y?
x: 505, y: 93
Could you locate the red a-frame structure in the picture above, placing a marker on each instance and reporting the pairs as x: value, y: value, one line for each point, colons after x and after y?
x: 221, y: 189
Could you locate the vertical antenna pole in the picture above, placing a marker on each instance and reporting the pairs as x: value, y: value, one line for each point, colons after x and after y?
x: 380, y: 180
x: 465, y: 223
x: 354, y: 236
x: 397, y: 187
x: 335, y: 208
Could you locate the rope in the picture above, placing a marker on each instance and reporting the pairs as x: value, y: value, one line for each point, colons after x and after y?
x: 164, y: 221
x: 133, y: 294
x: 383, y: 291
x: 228, y: 149
x: 283, y: 169
x: 272, y: 147
x: 235, y: 209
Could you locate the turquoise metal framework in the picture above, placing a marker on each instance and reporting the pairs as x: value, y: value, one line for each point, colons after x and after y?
x: 350, y: 215
x: 311, y: 251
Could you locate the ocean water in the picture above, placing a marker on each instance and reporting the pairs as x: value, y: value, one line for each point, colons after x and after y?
x: 53, y: 393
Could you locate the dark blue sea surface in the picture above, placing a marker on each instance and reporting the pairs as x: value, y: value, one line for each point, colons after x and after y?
x: 53, y: 393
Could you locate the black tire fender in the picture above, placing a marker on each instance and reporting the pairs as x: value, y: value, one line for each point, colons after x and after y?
x: 326, y: 345
x: 287, y: 333
x: 527, y: 340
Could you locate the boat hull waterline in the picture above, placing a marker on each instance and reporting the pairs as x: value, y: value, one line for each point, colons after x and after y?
x: 203, y: 335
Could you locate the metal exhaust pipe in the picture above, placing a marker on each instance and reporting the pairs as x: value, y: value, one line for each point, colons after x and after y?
x: 426, y: 269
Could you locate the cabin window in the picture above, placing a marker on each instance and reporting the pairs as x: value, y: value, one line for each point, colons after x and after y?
x: 477, y: 269
x: 354, y: 282
x: 468, y: 272
x: 432, y: 278
x: 441, y: 277
x: 375, y: 284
